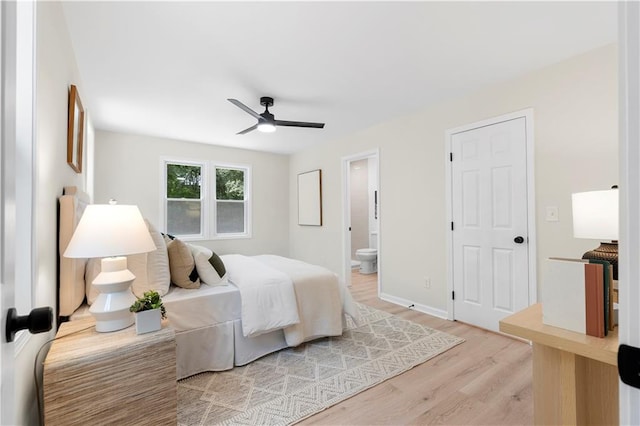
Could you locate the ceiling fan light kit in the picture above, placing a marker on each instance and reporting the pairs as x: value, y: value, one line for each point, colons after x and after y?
x: 266, y: 127
x: 266, y: 121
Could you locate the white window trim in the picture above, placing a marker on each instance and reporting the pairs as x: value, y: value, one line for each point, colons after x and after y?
x: 248, y: 217
x: 209, y: 210
x: 204, y: 176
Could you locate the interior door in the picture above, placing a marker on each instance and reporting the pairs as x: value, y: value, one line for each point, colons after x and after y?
x: 489, y: 212
x: 7, y: 200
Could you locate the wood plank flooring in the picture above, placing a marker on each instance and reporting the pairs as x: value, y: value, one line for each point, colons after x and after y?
x: 484, y: 381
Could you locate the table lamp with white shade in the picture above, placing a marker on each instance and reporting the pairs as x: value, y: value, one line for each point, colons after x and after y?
x: 595, y: 216
x: 111, y: 231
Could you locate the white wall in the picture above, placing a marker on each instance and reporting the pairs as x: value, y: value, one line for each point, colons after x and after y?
x: 576, y: 142
x: 128, y: 168
x: 56, y: 70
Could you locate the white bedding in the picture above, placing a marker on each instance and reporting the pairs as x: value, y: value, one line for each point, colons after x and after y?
x: 267, y: 295
x: 209, y: 325
x: 318, y: 299
x: 188, y: 309
x: 204, y: 321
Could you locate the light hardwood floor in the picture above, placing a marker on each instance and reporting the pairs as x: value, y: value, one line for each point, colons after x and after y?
x: 484, y: 381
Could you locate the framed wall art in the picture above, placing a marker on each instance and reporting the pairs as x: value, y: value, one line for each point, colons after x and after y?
x: 310, y: 198
x: 75, y: 130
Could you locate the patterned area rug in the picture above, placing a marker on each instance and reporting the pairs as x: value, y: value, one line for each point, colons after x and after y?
x: 295, y: 383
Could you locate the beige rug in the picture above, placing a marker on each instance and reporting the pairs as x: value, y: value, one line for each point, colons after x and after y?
x: 295, y: 383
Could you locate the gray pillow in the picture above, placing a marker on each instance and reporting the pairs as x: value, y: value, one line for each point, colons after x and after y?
x: 218, y: 265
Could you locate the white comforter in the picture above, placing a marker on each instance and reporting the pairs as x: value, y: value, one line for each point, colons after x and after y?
x: 277, y: 290
x: 268, y: 298
x: 318, y: 298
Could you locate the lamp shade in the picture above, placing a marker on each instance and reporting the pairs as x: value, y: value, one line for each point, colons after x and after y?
x: 595, y: 214
x: 110, y: 230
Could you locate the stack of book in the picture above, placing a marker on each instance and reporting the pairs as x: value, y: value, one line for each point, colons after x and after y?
x: 577, y: 295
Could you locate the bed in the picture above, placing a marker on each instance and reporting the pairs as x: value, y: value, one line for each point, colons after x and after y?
x: 261, y: 305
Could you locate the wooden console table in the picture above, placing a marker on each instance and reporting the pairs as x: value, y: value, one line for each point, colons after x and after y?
x: 575, y: 376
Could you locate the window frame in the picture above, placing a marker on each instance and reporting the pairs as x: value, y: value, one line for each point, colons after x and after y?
x: 247, y: 201
x: 204, y: 204
x: 209, y: 211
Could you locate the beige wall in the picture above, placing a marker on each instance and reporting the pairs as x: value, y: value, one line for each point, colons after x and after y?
x: 576, y: 140
x: 128, y: 168
x: 56, y: 70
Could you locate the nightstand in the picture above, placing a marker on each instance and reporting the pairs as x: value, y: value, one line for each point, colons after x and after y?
x: 110, y: 378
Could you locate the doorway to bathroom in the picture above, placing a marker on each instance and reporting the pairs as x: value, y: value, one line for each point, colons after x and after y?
x: 361, y: 217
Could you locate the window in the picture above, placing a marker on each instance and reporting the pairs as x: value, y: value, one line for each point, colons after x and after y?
x: 189, y: 212
x: 231, y: 201
x: 184, y: 195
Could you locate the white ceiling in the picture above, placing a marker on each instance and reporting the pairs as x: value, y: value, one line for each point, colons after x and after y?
x: 166, y: 68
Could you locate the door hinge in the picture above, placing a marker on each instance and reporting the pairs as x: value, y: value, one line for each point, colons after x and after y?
x: 451, y: 156
x: 453, y: 295
x: 452, y: 226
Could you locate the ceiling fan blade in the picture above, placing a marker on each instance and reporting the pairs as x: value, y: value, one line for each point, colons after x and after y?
x: 299, y: 124
x: 244, y: 108
x: 255, y: 126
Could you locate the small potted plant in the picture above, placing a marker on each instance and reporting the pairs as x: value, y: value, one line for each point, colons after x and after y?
x: 149, y: 312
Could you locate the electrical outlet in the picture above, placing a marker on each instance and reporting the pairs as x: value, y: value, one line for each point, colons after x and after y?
x: 427, y: 283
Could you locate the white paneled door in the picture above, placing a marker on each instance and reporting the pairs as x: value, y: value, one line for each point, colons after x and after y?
x: 489, y: 199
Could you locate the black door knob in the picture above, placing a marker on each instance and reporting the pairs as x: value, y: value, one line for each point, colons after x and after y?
x: 39, y: 320
x: 518, y: 240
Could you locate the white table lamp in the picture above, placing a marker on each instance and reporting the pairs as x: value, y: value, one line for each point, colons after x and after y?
x: 595, y: 216
x: 111, y: 231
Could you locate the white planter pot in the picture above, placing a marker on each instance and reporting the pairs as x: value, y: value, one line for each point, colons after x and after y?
x: 148, y: 321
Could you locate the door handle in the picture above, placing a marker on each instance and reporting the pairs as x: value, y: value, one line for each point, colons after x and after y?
x: 629, y: 365
x: 39, y: 320
x: 518, y: 240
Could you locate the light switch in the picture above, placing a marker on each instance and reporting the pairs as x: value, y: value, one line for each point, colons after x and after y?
x: 552, y: 214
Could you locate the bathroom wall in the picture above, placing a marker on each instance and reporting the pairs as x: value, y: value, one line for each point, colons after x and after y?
x: 359, y: 196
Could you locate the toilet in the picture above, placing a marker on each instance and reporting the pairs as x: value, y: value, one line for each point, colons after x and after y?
x: 368, y: 258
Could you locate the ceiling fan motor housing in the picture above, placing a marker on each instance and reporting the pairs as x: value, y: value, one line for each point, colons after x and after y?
x: 268, y: 117
x: 266, y: 101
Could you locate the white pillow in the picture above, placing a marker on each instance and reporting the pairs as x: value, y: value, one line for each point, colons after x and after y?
x: 158, y: 273
x: 206, y: 271
x: 90, y: 273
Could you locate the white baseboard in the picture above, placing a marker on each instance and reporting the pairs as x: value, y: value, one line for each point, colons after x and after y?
x: 415, y: 306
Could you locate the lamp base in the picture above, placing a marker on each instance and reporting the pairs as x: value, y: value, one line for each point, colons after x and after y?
x: 608, y: 252
x: 111, y: 307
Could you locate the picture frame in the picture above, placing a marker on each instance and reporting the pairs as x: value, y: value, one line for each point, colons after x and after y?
x: 75, y: 130
x: 310, y: 198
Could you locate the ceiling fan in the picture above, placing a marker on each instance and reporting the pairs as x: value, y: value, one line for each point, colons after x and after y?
x: 266, y: 121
